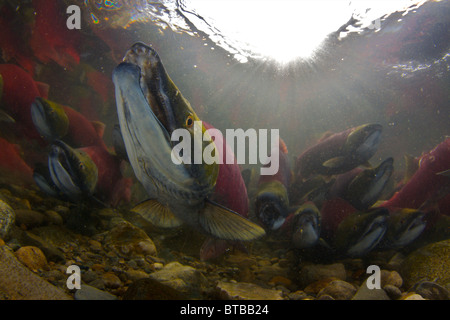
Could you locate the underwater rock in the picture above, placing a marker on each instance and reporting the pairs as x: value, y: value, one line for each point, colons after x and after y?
x: 53, y: 217
x: 412, y: 296
x: 364, y: 293
x: 338, y: 290
x: 32, y: 257
x: 7, y: 219
x: 50, y: 251
x: 390, y: 278
x: 90, y: 293
x: 184, y: 279
x: 135, y: 275
x: 427, y: 263
x: 430, y: 290
x: 151, y: 289
x: 316, y: 286
x: 392, y: 291
x: 30, y: 218
x: 128, y: 241
x: 17, y: 282
x: 245, y: 291
x: 315, y: 272
x: 111, y: 280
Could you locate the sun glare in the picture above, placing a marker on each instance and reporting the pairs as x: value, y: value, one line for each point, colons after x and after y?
x: 284, y: 30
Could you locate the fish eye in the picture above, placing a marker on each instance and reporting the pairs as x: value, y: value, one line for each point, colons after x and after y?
x: 81, y: 165
x: 189, y: 121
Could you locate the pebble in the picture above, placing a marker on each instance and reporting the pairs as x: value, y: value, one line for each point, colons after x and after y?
x: 431, y: 290
x: 315, y: 287
x: 7, y: 219
x: 392, y: 291
x: 134, y: 275
x: 95, y: 245
x: 111, y: 280
x: 364, y: 293
x: 151, y: 289
x: 311, y: 273
x: 50, y: 251
x: 17, y: 282
x: 32, y: 257
x: 91, y: 293
x: 184, y: 279
x: 245, y: 291
x: 128, y: 241
x: 391, y: 278
x: 53, y: 217
x: 30, y: 218
x: 412, y: 296
x: 338, y: 290
x: 280, y: 280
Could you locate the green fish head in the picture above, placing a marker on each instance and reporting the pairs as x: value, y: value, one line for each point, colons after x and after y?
x: 363, y: 141
x: 72, y: 171
x: 364, y: 190
x: 360, y: 232
x: 150, y: 108
x: 307, y: 226
x: 272, y: 204
x: 49, y: 118
x: 405, y: 225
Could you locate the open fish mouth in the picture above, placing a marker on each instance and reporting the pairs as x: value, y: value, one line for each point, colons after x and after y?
x: 270, y: 215
x: 372, y: 235
x: 371, y: 141
x: 153, y: 82
x: 148, y: 104
x: 66, y: 171
x: 412, y: 230
x: 382, y: 175
x: 306, y: 229
x: 49, y: 119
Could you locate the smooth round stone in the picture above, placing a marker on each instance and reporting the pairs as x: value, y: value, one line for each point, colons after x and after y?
x: 427, y: 264
x: 7, y: 219
x: 90, y: 293
x: 32, y: 257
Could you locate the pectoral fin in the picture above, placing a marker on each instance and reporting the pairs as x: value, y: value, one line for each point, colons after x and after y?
x: 445, y: 173
x: 157, y: 214
x: 223, y: 223
x: 4, y: 117
x: 334, y: 162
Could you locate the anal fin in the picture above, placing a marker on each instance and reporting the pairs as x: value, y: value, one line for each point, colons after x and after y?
x: 157, y: 214
x: 223, y: 223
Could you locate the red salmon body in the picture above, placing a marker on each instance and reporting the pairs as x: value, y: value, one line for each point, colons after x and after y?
x: 426, y: 183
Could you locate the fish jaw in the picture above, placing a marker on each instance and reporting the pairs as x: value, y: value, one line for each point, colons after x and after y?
x: 272, y: 204
x: 363, y: 142
x: 72, y: 171
x: 361, y: 232
x: 405, y: 226
x: 365, y: 189
x: 306, y: 227
x: 49, y: 118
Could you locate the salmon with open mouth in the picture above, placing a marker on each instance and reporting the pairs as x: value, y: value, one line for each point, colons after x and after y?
x: 150, y: 108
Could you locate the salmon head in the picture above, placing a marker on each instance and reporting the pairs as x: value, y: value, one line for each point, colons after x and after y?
x: 150, y: 108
